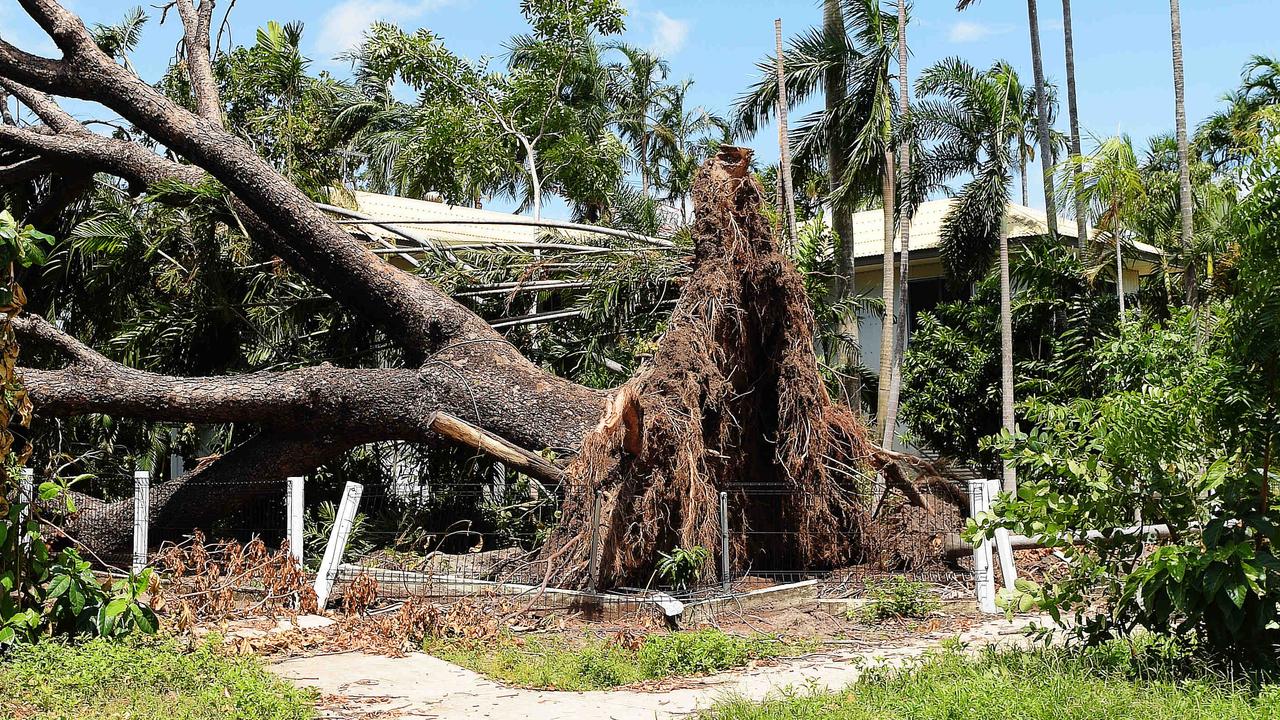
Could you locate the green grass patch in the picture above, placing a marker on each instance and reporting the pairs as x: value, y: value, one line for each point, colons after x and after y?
x: 143, y: 679
x: 594, y: 664
x: 1051, y: 684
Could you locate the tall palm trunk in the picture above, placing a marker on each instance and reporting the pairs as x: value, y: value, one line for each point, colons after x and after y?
x: 1042, y: 117
x: 1022, y: 174
x: 784, y: 150
x: 906, y: 204
x: 844, y: 285
x: 889, y: 191
x: 1082, y: 222
x: 1184, y: 161
x: 1010, y: 481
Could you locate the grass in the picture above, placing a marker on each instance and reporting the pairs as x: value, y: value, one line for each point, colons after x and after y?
x: 1052, y: 684
x: 142, y: 679
x: 558, y: 664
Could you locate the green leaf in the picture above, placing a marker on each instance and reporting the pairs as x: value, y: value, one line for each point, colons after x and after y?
x: 1237, y: 592
x: 49, y: 491
x: 115, y: 607
x: 60, y: 585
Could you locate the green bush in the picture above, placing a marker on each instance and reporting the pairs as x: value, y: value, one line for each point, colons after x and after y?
x: 143, y: 679
x: 896, y: 598
x: 682, y: 568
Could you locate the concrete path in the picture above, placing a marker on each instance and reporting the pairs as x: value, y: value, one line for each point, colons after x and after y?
x: 421, y: 686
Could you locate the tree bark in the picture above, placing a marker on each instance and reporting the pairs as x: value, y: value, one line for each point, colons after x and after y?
x: 1185, y: 202
x: 1008, y: 422
x: 889, y: 193
x: 1042, y: 120
x: 844, y: 285
x: 1082, y: 221
x: 784, y: 151
x: 906, y: 205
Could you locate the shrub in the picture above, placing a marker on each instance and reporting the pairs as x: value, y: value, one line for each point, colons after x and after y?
x: 682, y: 569
x: 895, y: 599
x: 47, y: 593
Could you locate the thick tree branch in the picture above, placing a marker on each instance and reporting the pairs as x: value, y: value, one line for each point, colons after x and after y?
x: 195, y: 45
x: 44, y: 107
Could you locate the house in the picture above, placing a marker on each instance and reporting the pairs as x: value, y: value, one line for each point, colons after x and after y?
x: 928, y: 281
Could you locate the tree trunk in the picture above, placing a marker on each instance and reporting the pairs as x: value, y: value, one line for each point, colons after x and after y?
x: 1185, y: 203
x: 1042, y: 119
x: 844, y: 285
x: 889, y: 193
x: 906, y: 207
x: 737, y: 357
x: 784, y: 152
x: 1008, y: 422
x: 1082, y: 221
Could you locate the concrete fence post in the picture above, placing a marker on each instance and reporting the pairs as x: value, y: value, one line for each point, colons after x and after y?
x: 141, y: 518
x: 1003, y: 547
x: 294, y: 509
x: 983, y: 575
x: 725, y: 580
x: 337, y: 542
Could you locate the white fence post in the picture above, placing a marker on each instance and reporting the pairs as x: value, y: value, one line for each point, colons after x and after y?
x: 26, y: 496
x: 983, y: 576
x: 294, y: 517
x: 141, y: 518
x: 337, y: 542
x: 1003, y: 548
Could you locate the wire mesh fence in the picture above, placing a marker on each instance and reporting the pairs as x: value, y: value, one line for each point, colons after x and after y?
x: 448, y: 540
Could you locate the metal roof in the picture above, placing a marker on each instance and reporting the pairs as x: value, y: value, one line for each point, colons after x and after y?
x: 926, y: 228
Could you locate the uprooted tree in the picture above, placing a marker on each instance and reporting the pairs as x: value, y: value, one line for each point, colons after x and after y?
x: 731, y: 397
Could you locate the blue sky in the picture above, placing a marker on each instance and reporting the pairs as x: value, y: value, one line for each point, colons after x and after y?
x: 1122, y: 46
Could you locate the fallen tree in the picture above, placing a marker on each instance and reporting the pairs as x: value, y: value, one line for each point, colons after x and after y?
x: 732, y: 396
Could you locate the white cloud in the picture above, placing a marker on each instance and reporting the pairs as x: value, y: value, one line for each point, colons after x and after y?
x: 343, y: 27
x: 965, y: 31
x: 669, y: 34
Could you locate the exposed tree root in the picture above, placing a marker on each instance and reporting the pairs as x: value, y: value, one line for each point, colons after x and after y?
x: 731, y: 401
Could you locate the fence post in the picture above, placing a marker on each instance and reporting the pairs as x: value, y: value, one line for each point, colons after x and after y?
x: 337, y: 542
x: 1003, y: 548
x: 176, y: 465
x: 725, y: 580
x: 294, y: 517
x: 593, y: 562
x: 141, y: 518
x: 983, y: 577
x: 26, y: 496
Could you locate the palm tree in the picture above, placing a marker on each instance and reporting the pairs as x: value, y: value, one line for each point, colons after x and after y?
x: 1029, y: 131
x: 637, y: 91
x: 970, y: 121
x: 1042, y: 109
x: 1184, y: 161
x: 684, y: 138
x: 1110, y: 184
x: 1082, y: 225
x: 863, y: 122
x: 905, y: 212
